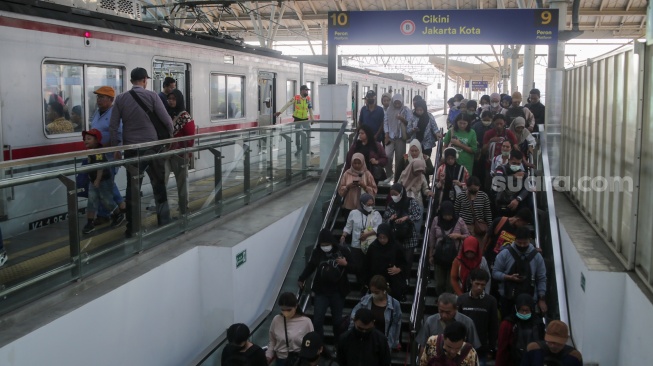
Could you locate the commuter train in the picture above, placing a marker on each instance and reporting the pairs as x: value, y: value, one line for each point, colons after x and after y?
x: 56, y: 52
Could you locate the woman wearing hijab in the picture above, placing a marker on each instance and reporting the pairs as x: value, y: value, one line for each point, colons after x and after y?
x: 525, y: 140
x: 402, y: 214
x: 183, y: 125
x: 463, y: 138
x: 373, y: 152
x: 355, y: 181
x: 386, y: 258
x: 468, y: 259
x: 517, y: 330
x: 394, y: 124
x: 506, y: 101
x: 415, y: 153
x: 447, y: 232
x: 422, y: 127
x: 239, y: 350
x: 451, y: 176
x: 414, y: 181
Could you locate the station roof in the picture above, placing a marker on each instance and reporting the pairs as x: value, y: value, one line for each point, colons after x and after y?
x: 306, y: 20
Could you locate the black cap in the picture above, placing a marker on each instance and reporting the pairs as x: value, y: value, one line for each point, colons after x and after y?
x: 535, y: 91
x: 311, y: 344
x: 304, y: 87
x: 139, y: 73
x: 370, y: 94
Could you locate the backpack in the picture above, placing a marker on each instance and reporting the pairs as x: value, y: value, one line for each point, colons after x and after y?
x: 552, y: 359
x: 446, y: 251
x: 513, y: 113
x: 523, y: 268
x: 522, y: 335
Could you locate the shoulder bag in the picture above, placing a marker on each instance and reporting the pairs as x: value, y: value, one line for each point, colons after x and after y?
x: 162, y: 132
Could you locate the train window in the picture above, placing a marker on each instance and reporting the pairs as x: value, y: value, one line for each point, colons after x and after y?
x: 227, y: 96
x: 291, y: 87
x: 97, y: 76
x: 63, y: 98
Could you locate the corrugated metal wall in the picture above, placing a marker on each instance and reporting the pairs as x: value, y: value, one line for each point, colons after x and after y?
x: 606, y: 149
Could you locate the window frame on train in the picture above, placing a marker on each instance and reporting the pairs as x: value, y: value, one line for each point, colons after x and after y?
x: 215, y: 102
x: 291, y: 91
x: 85, y: 96
x: 312, y: 92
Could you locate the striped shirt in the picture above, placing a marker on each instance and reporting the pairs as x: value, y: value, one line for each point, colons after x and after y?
x: 482, y: 208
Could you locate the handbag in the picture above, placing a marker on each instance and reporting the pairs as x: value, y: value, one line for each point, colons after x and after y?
x: 402, y: 231
x: 293, y: 357
x: 480, y: 226
x: 378, y: 172
x: 446, y: 251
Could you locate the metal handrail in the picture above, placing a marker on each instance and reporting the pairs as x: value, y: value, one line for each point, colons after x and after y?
x: 417, y: 308
x: 556, y: 245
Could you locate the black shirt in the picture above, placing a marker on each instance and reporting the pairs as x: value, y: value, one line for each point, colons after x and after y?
x: 483, y: 313
x: 354, y: 350
x: 98, y: 158
x: 254, y: 356
x: 379, y: 317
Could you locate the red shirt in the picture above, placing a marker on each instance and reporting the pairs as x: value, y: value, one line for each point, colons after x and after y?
x: 495, y: 147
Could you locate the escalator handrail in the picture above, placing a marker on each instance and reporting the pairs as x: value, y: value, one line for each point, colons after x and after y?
x: 422, y: 268
x: 556, y: 246
x: 536, y: 223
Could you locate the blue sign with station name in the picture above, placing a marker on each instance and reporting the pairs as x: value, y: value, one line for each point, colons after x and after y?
x: 484, y: 26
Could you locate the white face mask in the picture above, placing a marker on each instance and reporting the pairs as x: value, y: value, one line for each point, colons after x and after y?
x: 396, y: 198
x: 327, y: 248
x: 495, y: 104
x: 456, y: 104
x: 367, y: 208
x: 486, y: 123
x: 515, y: 168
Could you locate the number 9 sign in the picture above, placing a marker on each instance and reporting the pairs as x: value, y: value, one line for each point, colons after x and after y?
x: 545, y: 18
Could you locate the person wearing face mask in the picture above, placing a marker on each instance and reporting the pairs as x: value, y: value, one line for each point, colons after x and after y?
x: 501, y: 160
x: 449, y: 348
x: 330, y: 290
x: 239, y: 350
x: 415, y: 153
x: 414, y: 181
x: 302, y: 111
x: 495, y: 104
x: 455, y: 111
x: 286, y: 332
x: 553, y: 350
x: 386, y: 258
x: 519, y: 268
x: 471, y: 115
x: 518, y: 329
x: 386, y: 98
x: 537, y: 108
x: 481, y: 307
x: 404, y: 212
x: 451, y: 177
x: 493, y: 138
x: 484, y: 104
x: 445, y: 238
x: 362, y: 224
x: 525, y: 140
x: 512, y: 186
x: 515, y: 109
x: 355, y: 181
x: 480, y: 127
x: 372, y: 115
x: 474, y: 207
x: 363, y: 344
x: 470, y: 258
x: 506, y: 102
x: 385, y: 309
x: 422, y: 127
x: 394, y: 124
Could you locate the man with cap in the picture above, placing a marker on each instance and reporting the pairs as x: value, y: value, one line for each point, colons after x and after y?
x: 100, y: 121
x: 302, y: 111
x: 363, y: 344
x: 138, y: 128
x: 372, y: 115
x: 536, y: 107
x: 312, y: 349
x: 554, y: 349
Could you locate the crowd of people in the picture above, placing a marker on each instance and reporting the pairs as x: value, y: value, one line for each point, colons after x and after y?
x: 490, y: 279
x: 136, y: 116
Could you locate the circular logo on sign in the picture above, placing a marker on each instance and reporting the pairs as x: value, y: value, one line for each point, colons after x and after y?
x: 407, y: 27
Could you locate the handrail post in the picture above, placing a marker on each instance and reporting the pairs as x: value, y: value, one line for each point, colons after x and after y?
x: 135, y: 190
x: 73, y: 224
x: 247, y: 183
x: 217, y: 180
x: 288, y: 157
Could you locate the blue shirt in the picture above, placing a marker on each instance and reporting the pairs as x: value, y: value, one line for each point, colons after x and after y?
x: 101, y: 122
x: 373, y: 118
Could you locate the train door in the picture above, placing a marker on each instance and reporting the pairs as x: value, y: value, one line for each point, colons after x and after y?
x: 266, y: 98
x: 354, y: 101
x: 179, y: 71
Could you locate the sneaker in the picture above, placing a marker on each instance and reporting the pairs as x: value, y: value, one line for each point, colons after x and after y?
x: 3, y: 258
x: 101, y: 220
x: 118, y: 219
x: 88, y: 228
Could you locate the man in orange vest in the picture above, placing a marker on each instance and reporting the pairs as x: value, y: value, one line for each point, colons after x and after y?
x: 302, y: 111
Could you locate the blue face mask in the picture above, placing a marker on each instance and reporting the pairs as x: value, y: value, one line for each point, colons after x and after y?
x: 524, y: 316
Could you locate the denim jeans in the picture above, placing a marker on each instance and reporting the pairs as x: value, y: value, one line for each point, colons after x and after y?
x: 117, y: 197
x: 179, y: 167
x: 321, y: 302
x: 155, y: 170
x: 102, y: 196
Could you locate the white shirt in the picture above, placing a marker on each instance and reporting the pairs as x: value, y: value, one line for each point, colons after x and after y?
x: 357, y: 222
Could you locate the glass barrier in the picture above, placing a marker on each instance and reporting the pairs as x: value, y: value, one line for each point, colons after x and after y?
x: 312, y: 224
x: 47, y: 228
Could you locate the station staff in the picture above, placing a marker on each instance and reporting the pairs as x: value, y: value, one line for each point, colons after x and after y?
x: 302, y: 111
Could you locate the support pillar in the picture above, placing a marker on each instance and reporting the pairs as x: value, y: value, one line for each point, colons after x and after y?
x: 529, y: 69
x: 446, y: 78
x: 514, y: 71
x: 333, y: 63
